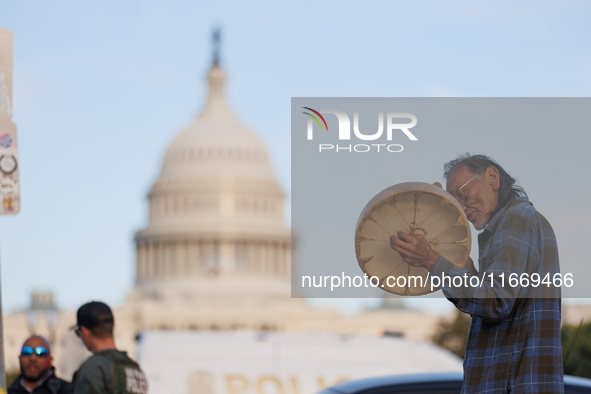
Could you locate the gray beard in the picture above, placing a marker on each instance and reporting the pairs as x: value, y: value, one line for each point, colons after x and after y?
x: 481, y: 225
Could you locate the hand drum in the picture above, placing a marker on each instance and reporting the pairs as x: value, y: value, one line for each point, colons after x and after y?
x: 414, y: 208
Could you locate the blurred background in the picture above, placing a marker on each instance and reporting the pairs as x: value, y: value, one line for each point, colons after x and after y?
x: 115, y: 102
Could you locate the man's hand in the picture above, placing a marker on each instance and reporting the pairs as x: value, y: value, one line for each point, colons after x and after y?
x: 414, y: 249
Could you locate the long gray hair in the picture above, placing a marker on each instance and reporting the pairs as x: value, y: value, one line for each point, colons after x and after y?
x: 508, y: 190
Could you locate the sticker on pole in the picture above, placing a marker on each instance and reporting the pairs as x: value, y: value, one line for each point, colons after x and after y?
x: 9, y: 174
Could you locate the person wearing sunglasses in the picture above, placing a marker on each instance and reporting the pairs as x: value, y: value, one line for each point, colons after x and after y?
x: 108, y: 370
x: 514, y: 344
x: 37, y: 372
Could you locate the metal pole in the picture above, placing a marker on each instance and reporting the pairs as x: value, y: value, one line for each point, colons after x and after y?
x: 2, y: 366
x: 7, y: 137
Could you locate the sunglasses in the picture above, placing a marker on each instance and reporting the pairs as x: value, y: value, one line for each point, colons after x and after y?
x: 39, y: 351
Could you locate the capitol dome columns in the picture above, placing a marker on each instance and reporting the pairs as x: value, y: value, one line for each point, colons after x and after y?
x: 190, y: 258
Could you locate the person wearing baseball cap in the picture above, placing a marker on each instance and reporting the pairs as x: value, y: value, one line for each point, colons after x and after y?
x: 108, y: 370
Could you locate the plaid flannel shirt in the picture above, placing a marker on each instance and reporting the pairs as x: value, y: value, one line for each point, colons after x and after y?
x: 514, y: 343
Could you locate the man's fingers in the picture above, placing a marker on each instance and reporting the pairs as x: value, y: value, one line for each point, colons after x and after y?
x: 398, y: 242
x: 408, y: 258
x: 416, y: 239
x: 405, y: 249
x: 402, y: 251
x: 406, y: 255
x: 410, y: 247
x: 404, y: 236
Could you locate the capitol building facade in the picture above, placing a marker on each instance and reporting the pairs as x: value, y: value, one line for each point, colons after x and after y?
x: 214, y: 256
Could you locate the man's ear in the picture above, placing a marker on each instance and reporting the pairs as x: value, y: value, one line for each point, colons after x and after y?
x: 491, y: 176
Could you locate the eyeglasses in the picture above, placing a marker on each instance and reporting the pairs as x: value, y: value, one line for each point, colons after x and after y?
x: 77, y: 332
x: 458, y: 193
x: 39, y: 351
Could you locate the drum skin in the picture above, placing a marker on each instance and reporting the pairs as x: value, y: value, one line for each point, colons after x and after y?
x: 414, y: 208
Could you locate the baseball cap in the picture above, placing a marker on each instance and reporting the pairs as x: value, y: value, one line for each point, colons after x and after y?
x: 93, y: 314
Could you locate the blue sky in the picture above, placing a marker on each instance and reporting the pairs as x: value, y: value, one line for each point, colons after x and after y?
x: 100, y: 89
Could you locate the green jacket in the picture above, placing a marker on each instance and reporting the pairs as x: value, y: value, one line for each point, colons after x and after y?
x: 109, y: 372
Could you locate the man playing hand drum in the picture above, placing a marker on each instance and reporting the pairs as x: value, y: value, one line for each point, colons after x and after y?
x: 514, y: 341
